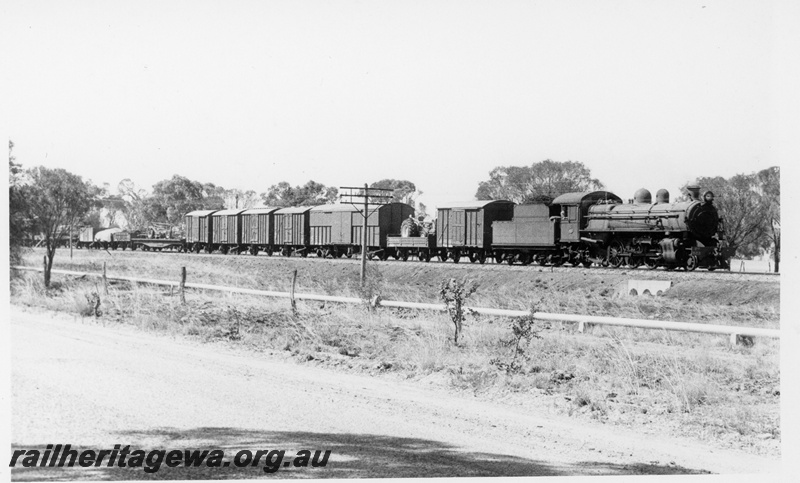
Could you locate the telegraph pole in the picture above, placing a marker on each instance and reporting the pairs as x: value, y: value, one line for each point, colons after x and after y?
x: 379, y: 195
x: 364, y: 238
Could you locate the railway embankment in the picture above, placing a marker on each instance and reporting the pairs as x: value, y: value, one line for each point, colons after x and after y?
x: 650, y: 381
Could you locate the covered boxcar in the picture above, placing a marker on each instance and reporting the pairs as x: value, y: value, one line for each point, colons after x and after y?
x: 465, y: 228
x: 199, y: 226
x: 337, y: 230
x: 226, y: 230
x: 258, y: 230
x: 292, y: 230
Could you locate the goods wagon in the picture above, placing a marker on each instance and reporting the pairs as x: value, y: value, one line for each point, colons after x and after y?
x: 337, y: 230
x: 86, y: 237
x: 532, y: 235
x: 258, y: 230
x: 226, y: 230
x: 465, y: 228
x: 292, y: 230
x: 198, y: 230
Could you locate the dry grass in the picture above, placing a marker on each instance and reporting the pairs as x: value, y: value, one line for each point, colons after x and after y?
x: 667, y: 381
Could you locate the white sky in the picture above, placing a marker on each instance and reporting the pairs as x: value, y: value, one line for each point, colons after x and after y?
x: 245, y: 94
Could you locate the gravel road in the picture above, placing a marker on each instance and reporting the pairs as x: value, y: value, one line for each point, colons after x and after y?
x: 93, y: 387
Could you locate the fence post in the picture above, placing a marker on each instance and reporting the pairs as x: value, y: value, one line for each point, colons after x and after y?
x: 105, y: 279
x: 183, y: 285
x: 292, y: 301
x: 44, y: 272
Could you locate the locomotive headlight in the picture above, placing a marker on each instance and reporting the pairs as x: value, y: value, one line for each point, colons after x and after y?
x: 708, y: 197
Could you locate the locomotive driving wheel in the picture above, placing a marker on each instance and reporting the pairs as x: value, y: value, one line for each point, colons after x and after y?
x: 615, y: 258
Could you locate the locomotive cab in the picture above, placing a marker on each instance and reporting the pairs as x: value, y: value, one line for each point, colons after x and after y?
x: 574, y: 209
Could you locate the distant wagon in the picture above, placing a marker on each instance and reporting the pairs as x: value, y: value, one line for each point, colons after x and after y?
x: 465, y: 228
x: 226, y: 230
x: 292, y: 230
x: 199, y: 234
x: 258, y: 230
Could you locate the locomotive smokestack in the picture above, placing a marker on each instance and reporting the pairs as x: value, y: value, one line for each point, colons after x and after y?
x: 662, y: 196
x: 694, y: 192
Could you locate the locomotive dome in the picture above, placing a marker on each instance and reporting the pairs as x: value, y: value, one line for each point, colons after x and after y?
x: 662, y: 196
x: 642, y: 196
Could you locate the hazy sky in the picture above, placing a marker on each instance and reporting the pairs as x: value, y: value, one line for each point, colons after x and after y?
x: 245, y: 94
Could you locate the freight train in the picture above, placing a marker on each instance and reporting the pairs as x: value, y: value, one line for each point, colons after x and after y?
x: 581, y: 228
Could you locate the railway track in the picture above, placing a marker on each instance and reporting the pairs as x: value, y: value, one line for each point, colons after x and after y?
x: 490, y: 265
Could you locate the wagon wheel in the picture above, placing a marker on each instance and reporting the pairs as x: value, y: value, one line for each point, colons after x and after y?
x: 254, y: 250
x: 615, y: 258
x: 482, y: 258
x: 473, y: 257
x: 383, y: 255
x: 525, y: 259
x: 456, y: 256
x: 586, y: 264
x: 424, y: 256
x: 541, y: 260
x: 558, y: 261
x: 498, y: 257
x: 510, y: 259
x: 443, y: 255
x: 692, y: 263
x: 286, y: 252
x: 403, y: 255
x: 371, y: 255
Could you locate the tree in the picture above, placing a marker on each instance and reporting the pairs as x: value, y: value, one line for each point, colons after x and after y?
x: 135, y: 205
x: 769, y: 185
x: 238, y: 199
x: 539, y: 182
x: 173, y: 198
x: 404, y: 191
x: 57, y: 200
x: 19, y: 223
x: 310, y: 194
